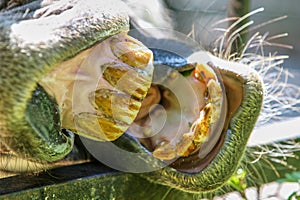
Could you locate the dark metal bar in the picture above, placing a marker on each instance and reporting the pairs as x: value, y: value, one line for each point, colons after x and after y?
x: 55, y: 176
x: 94, y: 180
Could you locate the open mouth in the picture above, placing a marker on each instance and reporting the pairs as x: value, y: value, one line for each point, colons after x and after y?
x: 102, y: 102
x: 215, y: 144
x: 194, y: 108
x: 191, y: 118
x: 196, y: 119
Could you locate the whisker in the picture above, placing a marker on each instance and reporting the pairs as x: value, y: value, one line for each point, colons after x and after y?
x: 277, y: 36
x: 220, y: 29
x: 279, y: 45
x: 236, y: 34
x: 248, y: 43
x: 243, y: 18
x: 228, y: 19
x: 267, y: 23
x: 234, y: 25
x: 191, y: 34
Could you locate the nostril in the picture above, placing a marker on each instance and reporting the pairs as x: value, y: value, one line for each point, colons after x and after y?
x: 43, y: 115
